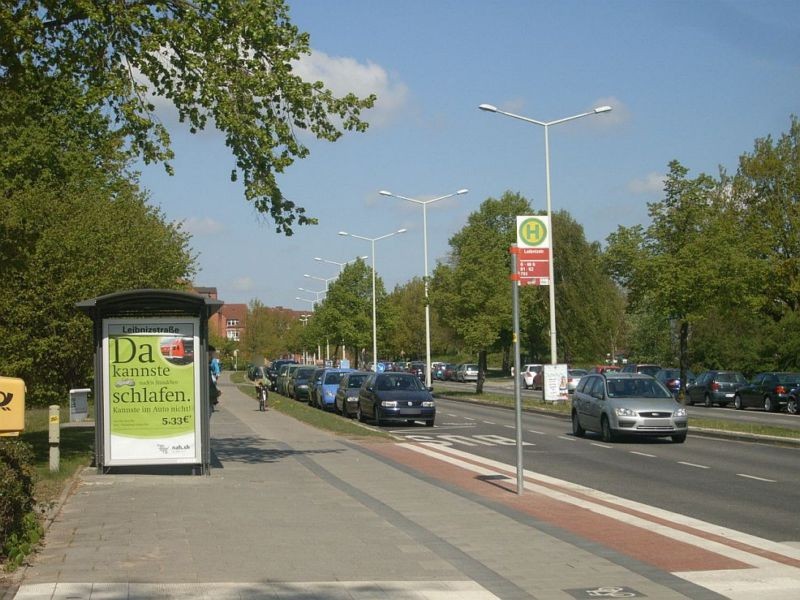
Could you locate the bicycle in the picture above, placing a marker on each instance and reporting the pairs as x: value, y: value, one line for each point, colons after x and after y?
x: 263, y: 394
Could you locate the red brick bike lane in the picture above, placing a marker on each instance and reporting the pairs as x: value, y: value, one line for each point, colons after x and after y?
x: 648, y: 546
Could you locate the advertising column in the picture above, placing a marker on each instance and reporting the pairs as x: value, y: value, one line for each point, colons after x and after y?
x: 151, y: 391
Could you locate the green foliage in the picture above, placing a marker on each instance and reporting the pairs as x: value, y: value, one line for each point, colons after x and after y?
x: 228, y: 64
x: 74, y: 225
x: 19, y: 527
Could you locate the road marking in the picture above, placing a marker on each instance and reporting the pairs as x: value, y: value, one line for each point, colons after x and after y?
x: 469, y: 419
x: 757, y: 478
x: 688, y: 464
x: 601, y: 445
x: 536, y: 432
x: 490, y: 423
x: 643, y: 454
x: 510, y: 426
x: 569, y: 439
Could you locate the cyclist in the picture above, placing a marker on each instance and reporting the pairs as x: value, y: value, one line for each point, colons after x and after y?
x: 262, y: 389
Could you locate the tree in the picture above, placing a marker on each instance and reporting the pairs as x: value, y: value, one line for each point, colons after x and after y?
x: 408, y: 301
x: 471, y: 290
x: 672, y: 269
x: 227, y: 63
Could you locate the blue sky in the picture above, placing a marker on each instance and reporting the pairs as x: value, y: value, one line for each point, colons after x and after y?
x: 697, y: 81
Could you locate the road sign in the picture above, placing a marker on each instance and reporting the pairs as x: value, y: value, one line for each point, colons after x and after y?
x: 533, y: 250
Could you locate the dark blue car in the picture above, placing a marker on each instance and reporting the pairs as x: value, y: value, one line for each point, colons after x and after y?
x: 395, y: 397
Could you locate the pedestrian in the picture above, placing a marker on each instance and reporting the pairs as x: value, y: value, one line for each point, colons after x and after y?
x: 213, y: 375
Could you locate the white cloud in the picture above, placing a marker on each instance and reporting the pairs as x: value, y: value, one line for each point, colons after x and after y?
x: 243, y: 284
x: 202, y: 226
x: 343, y: 75
x: 650, y: 183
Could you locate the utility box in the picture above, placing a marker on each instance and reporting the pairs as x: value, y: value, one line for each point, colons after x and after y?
x: 151, y: 378
x: 79, y: 404
x: 12, y: 406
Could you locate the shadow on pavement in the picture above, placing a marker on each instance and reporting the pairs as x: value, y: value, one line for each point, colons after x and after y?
x: 253, y: 450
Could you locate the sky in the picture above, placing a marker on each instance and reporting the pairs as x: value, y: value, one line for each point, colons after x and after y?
x: 696, y: 81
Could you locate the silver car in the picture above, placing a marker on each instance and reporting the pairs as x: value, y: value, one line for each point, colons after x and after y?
x: 615, y: 404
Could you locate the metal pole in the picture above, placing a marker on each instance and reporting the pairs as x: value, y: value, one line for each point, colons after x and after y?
x: 374, y: 316
x: 517, y: 392
x: 552, y: 286
x: 427, y: 304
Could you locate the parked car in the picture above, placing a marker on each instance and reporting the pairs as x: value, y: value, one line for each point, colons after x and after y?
x: 346, y: 399
x: 574, y: 377
x: 769, y: 391
x: 615, y: 404
x: 386, y: 397
x: 528, y: 374
x: 298, y: 385
x: 438, y: 370
x: 316, y: 380
x: 605, y: 368
x: 792, y: 403
x: 714, y: 387
x: 324, y: 391
x: 647, y: 369
x: 283, y: 378
x: 416, y: 368
x: 450, y: 372
x: 671, y: 378
x: 467, y: 372
x: 257, y: 372
x: 275, y: 367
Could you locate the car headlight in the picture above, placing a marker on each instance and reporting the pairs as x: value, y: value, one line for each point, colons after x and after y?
x: 389, y: 403
x: 621, y: 411
x: 329, y: 394
x: 428, y: 403
x: 681, y: 412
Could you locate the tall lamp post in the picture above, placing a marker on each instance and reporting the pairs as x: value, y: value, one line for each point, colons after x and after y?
x: 339, y: 264
x: 317, y: 294
x: 546, y: 125
x: 424, y: 204
x: 374, y: 312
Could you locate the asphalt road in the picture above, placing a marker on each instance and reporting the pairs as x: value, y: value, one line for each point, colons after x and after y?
x: 746, y: 486
x: 750, y: 416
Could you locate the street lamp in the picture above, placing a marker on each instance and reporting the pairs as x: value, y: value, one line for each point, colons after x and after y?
x: 424, y: 204
x: 340, y: 264
x: 313, y: 303
x: 374, y: 315
x: 317, y: 293
x: 326, y: 280
x: 546, y: 125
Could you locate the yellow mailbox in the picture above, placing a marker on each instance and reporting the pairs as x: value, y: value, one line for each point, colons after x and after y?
x: 12, y: 406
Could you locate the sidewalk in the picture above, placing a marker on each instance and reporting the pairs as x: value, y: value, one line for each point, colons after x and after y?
x: 292, y: 512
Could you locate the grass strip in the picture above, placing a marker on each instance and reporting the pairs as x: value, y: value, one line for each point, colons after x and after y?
x: 315, y: 417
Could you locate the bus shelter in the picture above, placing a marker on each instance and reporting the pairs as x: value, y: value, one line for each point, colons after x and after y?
x: 151, y: 378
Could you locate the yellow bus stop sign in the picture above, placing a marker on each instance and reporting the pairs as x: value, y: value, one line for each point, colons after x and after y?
x: 12, y: 406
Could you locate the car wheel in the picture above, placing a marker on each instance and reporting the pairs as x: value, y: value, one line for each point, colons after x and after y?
x: 707, y: 401
x: 606, y: 433
x: 769, y: 404
x: 429, y: 423
x: 577, y: 430
x: 679, y: 438
x: 791, y: 406
x: 737, y: 402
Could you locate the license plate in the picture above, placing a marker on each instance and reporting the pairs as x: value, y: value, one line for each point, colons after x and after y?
x: 729, y: 395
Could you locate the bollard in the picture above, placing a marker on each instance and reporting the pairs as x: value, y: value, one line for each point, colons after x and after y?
x: 54, y: 437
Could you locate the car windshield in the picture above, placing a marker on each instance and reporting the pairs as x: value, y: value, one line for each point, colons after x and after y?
x: 730, y: 378
x: 332, y: 378
x: 398, y: 382
x: 355, y: 381
x: 788, y: 377
x: 636, y: 388
x: 303, y: 373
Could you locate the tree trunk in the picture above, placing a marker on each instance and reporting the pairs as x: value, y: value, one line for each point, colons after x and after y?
x: 481, y: 372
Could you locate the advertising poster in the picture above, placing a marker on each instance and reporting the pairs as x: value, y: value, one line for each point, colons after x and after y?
x: 151, y: 397
x: 556, y: 387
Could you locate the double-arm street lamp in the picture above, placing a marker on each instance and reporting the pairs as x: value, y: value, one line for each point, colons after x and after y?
x: 374, y: 312
x: 339, y: 264
x: 325, y: 280
x: 546, y: 125
x: 317, y: 294
x: 424, y: 204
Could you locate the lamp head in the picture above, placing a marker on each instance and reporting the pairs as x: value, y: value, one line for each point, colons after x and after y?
x: 343, y: 233
x: 318, y: 258
x: 488, y: 107
x: 464, y: 191
x: 602, y: 109
x: 385, y: 193
x: 403, y: 230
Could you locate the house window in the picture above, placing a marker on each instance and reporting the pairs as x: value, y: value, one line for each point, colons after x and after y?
x: 232, y: 323
x: 233, y: 334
